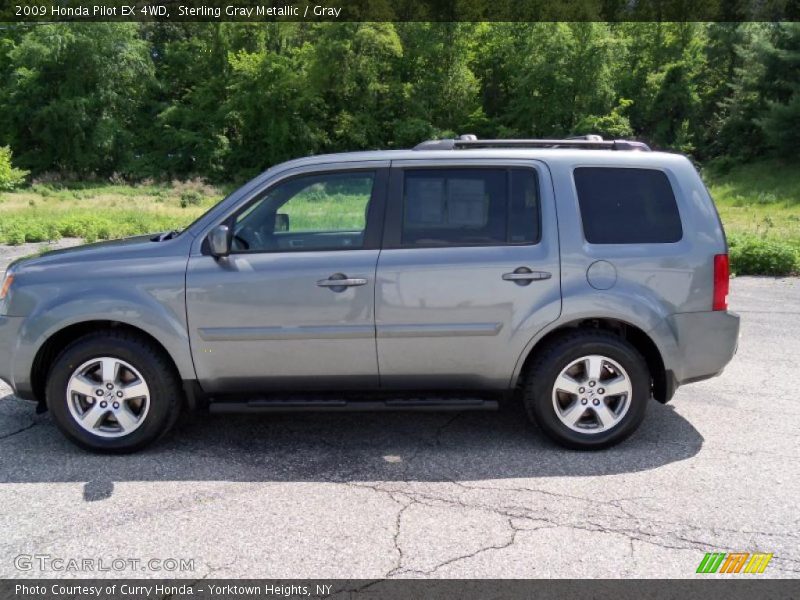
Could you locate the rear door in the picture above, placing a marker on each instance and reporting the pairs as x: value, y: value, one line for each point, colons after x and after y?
x: 292, y: 307
x: 469, y: 271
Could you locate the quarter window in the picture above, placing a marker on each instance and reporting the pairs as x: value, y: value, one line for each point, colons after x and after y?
x: 466, y: 207
x: 627, y: 206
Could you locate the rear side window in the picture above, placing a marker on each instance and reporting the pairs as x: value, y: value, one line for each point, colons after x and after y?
x: 627, y: 206
x: 470, y: 207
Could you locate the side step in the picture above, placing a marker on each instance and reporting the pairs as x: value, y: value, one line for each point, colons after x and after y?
x: 323, y: 404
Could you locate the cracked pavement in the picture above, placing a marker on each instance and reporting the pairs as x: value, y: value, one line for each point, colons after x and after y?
x: 434, y: 495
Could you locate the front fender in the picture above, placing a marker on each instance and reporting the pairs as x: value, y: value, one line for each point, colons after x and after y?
x: 161, y: 316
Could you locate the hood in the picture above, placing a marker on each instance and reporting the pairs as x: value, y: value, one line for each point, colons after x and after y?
x: 138, y: 246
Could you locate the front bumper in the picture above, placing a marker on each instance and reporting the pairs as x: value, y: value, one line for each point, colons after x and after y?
x: 9, y: 339
x: 706, y: 343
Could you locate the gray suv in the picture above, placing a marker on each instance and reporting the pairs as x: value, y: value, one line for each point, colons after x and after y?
x: 580, y: 276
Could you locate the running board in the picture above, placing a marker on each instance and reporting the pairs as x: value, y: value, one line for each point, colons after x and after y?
x: 284, y: 405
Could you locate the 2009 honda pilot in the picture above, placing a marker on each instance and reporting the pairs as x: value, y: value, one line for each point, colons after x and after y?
x: 586, y: 275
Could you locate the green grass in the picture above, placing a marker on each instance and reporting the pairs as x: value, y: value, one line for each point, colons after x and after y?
x: 760, y: 200
x: 309, y: 212
x: 759, y: 205
x: 96, y: 211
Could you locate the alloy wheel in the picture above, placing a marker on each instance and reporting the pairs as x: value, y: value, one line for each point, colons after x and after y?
x: 592, y: 394
x: 108, y: 397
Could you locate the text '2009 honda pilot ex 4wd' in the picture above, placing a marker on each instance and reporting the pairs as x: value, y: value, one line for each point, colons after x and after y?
x: 581, y: 276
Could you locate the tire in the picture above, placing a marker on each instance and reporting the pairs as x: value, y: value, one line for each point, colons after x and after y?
x: 550, y: 394
x: 145, y: 412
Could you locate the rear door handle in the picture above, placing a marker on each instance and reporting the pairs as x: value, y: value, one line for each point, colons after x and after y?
x: 338, y: 282
x: 524, y: 276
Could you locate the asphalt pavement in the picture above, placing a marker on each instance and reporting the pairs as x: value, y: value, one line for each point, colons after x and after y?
x: 429, y: 495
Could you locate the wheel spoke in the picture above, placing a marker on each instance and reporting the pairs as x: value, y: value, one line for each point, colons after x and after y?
x: 576, y: 411
x: 136, y: 389
x: 594, y: 367
x: 604, y: 415
x: 110, y: 369
x: 94, y: 416
x: 81, y: 385
x: 126, y: 419
x: 566, y: 383
x: 616, y: 386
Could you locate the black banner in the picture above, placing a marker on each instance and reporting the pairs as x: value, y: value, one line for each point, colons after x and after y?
x: 734, y: 588
x: 42, y: 11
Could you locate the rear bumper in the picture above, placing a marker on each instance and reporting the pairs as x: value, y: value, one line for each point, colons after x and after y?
x: 9, y: 339
x: 706, y: 343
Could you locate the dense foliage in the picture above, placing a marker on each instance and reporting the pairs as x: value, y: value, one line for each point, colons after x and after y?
x: 228, y: 100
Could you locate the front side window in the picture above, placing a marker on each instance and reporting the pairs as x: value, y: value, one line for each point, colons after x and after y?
x: 627, y: 206
x: 465, y: 207
x: 315, y: 212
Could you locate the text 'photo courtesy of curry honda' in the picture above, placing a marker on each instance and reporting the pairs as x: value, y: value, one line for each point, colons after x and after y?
x: 580, y: 277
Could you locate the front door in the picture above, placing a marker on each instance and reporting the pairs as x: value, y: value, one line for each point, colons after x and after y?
x: 292, y: 307
x: 468, y: 274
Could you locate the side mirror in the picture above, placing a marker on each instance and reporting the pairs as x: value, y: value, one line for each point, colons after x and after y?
x: 219, y: 241
x: 281, y: 222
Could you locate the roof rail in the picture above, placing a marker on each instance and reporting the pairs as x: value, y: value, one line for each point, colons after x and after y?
x: 591, y: 142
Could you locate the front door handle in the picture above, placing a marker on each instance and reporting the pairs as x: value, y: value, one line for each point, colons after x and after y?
x: 339, y: 282
x: 524, y: 276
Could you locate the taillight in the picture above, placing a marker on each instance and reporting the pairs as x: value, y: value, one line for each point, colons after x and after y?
x: 721, y: 282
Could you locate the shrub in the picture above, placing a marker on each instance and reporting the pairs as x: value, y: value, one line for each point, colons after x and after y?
x: 14, y: 234
x: 43, y: 190
x: 9, y: 176
x: 191, y: 198
x: 613, y: 125
x: 35, y: 232
x: 53, y: 234
x: 758, y: 256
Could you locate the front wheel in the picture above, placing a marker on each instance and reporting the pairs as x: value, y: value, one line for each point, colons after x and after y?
x: 113, y: 392
x: 587, y: 390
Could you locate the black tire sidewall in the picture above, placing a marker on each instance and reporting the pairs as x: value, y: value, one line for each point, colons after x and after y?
x: 141, y: 357
x: 539, y: 397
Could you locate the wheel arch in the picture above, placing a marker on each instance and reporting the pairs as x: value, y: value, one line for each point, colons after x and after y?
x: 58, y: 340
x: 662, y: 380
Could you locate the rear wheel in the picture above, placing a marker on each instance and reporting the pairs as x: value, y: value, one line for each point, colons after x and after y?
x: 587, y: 390
x: 113, y: 392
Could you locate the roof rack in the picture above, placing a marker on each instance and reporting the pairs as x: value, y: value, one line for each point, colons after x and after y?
x: 589, y: 142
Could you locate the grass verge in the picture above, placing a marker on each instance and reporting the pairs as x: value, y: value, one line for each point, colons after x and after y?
x: 759, y: 205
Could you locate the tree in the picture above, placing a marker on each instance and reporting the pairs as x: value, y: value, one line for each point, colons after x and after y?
x: 73, y: 96
x: 270, y: 114
x: 782, y: 72
x: 441, y: 93
x: 541, y: 79
x: 225, y: 100
x: 738, y: 134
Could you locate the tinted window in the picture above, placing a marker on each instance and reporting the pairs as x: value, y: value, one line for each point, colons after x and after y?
x: 316, y: 212
x: 464, y: 207
x: 627, y: 206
